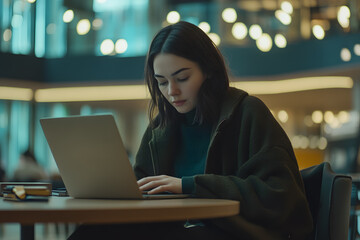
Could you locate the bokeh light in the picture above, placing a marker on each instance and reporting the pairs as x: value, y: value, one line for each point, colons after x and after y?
x: 239, y: 30
x: 68, y: 16
x: 215, y: 38
x: 205, y: 27
x: 345, y: 55
x: 280, y: 41
x: 318, y: 32
x: 173, y: 17
x: 255, y: 31
x: 107, y: 47
x: 264, y: 43
x: 229, y: 15
x: 121, y: 46
x: 83, y: 27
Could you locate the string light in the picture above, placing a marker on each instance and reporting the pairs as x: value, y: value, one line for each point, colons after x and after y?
x: 264, y: 43
x: 229, y: 15
x: 205, y: 27
x: 215, y: 38
x: 68, y: 16
x: 345, y: 55
x: 283, y: 17
x: 173, y: 17
x: 283, y: 116
x: 343, y: 16
x: 255, y: 31
x: 317, y: 116
x: 7, y: 35
x: 239, y: 30
x: 287, y: 7
x: 280, y: 41
x: 107, y: 47
x: 318, y: 32
x: 83, y: 27
x: 357, y: 49
x: 121, y: 46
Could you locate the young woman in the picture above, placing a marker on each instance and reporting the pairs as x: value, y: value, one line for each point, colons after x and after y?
x: 212, y: 141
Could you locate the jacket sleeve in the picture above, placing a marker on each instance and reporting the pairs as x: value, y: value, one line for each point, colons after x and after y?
x: 143, y: 162
x: 267, y: 181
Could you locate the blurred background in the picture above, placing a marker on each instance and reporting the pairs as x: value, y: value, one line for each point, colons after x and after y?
x: 81, y: 57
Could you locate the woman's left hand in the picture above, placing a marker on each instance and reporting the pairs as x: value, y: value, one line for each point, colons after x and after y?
x: 161, y: 183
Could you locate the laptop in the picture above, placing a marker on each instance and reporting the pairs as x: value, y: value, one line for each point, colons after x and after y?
x: 92, y: 159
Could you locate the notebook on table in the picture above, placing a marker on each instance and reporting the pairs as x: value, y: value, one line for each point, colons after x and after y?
x: 92, y: 159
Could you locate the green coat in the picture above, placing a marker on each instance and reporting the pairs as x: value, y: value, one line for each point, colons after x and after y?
x: 250, y: 159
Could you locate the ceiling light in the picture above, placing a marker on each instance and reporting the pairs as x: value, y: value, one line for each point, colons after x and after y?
x: 264, y: 43
x: 7, y: 35
x: 317, y: 116
x: 287, y: 7
x: 345, y: 55
x: 283, y: 116
x: 107, y: 47
x: 255, y: 31
x: 283, y: 17
x: 93, y: 93
x: 329, y: 116
x: 229, y: 15
x: 318, y: 32
x: 343, y: 16
x: 121, y: 46
x: 215, y: 38
x: 68, y: 16
x: 344, y: 12
x: 294, y: 85
x: 280, y: 41
x: 205, y: 27
x: 173, y: 17
x: 357, y: 49
x: 15, y: 93
x: 239, y: 30
x: 83, y: 27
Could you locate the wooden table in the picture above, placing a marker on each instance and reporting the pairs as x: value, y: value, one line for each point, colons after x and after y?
x: 69, y: 210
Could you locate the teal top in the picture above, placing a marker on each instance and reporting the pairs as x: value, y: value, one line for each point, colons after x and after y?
x: 194, y: 143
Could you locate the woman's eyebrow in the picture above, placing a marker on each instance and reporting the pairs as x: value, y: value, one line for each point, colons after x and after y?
x: 178, y: 71
x: 173, y: 74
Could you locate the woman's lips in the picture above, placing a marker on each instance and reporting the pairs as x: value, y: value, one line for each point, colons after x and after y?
x: 179, y: 103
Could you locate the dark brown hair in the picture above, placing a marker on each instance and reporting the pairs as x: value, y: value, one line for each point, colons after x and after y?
x: 186, y: 40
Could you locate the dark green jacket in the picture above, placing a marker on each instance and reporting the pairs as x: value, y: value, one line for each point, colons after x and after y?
x: 250, y: 159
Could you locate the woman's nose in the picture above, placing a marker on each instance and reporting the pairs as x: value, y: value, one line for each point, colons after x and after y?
x: 173, y: 89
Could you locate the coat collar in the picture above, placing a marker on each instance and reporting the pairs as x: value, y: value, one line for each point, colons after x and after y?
x: 230, y: 102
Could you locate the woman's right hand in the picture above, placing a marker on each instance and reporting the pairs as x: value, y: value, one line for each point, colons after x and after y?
x: 159, y: 184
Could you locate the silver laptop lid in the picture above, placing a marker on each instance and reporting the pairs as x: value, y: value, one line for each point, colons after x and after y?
x: 91, y: 157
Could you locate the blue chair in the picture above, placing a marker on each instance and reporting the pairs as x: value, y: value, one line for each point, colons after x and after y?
x: 329, y: 196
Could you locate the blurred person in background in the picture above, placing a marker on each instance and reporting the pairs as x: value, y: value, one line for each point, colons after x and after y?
x: 2, y: 171
x: 29, y: 169
x: 2, y: 174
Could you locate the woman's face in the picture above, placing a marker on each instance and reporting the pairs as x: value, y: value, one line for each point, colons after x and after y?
x: 179, y: 80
